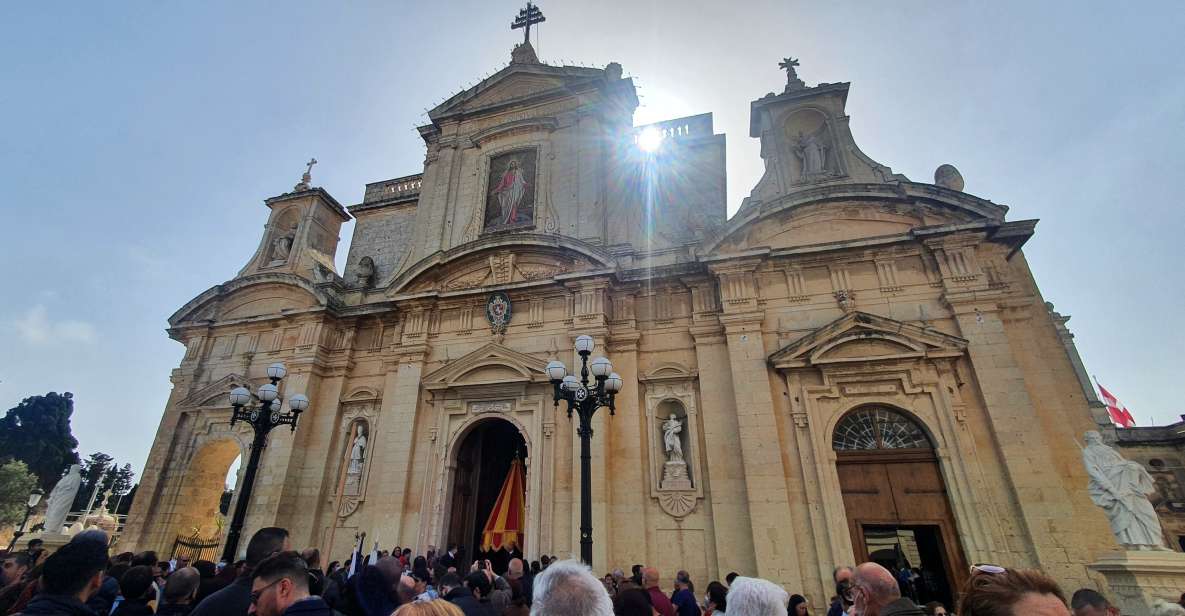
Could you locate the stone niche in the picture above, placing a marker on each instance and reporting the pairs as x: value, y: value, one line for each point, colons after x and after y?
x: 676, y: 484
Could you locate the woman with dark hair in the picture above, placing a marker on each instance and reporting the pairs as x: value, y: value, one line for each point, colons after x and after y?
x: 798, y: 606
x: 633, y: 602
x: 716, y: 601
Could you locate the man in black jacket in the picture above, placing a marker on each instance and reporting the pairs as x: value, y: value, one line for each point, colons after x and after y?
x: 136, y: 587
x: 236, y: 597
x: 180, y: 589
x: 70, y: 576
x: 280, y: 587
x: 465, y: 596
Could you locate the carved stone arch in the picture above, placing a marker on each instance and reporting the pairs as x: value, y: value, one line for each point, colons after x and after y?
x: 916, y: 433
x: 460, y: 432
x: 208, y: 306
x: 361, y: 394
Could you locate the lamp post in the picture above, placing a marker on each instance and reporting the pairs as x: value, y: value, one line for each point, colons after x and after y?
x: 34, y: 498
x: 262, y: 417
x: 585, y: 401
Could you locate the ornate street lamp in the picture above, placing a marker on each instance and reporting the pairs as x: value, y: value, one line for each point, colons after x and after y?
x: 262, y: 417
x: 585, y: 402
x: 34, y: 498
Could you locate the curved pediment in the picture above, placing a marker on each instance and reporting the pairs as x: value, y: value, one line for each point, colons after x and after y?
x: 864, y: 337
x: 213, y: 394
x: 836, y: 214
x: 492, y: 364
x: 251, y: 296
x: 499, y: 260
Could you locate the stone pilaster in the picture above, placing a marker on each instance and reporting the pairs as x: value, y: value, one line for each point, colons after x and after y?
x: 626, y: 463
x: 391, y: 476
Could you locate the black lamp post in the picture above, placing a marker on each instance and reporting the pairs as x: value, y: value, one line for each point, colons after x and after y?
x: 263, y: 417
x: 585, y: 401
x: 34, y: 498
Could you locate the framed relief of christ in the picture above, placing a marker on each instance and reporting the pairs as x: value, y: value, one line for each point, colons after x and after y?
x: 510, y: 191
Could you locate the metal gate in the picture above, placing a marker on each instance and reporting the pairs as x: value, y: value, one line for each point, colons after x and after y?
x: 196, y: 547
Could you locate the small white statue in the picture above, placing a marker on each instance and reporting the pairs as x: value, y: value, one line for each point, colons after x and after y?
x: 358, y: 453
x: 61, y: 498
x: 1121, y: 487
x: 670, y: 438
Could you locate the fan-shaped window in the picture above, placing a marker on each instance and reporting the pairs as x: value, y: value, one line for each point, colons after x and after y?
x: 878, y: 427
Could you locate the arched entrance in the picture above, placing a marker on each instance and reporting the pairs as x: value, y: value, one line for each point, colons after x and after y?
x: 483, y: 460
x: 896, y: 502
x: 201, y: 493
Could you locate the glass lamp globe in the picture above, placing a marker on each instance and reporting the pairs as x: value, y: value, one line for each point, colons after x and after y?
x: 584, y: 344
x: 240, y: 396
x: 570, y: 383
x: 556, y: 370
x: 600, y: 367
x: 268, y: 392
x: 276, y: 371
x: 35, y: 497
x: 613, y: 383
x: 299, y: 403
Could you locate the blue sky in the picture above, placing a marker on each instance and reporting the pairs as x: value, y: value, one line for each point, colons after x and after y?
x: 139, y: 140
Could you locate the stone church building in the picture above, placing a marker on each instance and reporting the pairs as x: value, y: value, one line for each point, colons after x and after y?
x: 862, y: 365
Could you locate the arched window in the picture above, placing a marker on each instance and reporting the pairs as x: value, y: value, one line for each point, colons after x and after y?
x: 878, y: 427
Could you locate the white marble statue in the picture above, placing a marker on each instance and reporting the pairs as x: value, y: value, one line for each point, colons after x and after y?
x: 1121, y: 488
x: 670, y: 438
x: 358, y: 453
x: 60, y: 499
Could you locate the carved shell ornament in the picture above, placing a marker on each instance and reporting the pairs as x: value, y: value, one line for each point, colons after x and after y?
x: 678, y: 504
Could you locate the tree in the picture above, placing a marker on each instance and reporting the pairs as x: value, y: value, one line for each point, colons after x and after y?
x: 37, y: 432
x: 95, y: 470
x: 15, y: 484
x: 125, y: 504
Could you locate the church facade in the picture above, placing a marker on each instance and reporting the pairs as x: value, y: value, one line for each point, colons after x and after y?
x: 854, y: 366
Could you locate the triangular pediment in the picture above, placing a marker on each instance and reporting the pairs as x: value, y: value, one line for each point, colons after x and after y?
x: 516, y: 83
x: 492, y: 364
x: 864, y: 337
x: 215, y: 393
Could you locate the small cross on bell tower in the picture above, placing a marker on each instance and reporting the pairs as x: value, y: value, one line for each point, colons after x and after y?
x: 792, y: 80
x: 307, y: 177
x: 524, y: 53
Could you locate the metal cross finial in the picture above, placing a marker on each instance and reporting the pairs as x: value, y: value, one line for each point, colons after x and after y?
x: 792, y: 80
x: 788, y: 64
x: 527, y: 17
x: 312, y: 161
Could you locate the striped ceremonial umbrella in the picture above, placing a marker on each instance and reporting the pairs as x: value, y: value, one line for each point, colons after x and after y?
x: 505, y: 525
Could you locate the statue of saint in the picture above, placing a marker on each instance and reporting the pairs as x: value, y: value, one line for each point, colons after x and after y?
x: 61, y: 498
x: 365, y: 272
x: 510, y: 191
x: 812, y: 154
x: 357, y: 452
x: 1121, y: 488
x: 282, y: 246
x: 670, y: 438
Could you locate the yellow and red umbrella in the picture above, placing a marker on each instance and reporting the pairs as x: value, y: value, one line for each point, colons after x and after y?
x: 505, y: 525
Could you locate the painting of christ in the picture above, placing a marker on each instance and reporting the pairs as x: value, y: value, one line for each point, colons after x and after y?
x: 510, y: 196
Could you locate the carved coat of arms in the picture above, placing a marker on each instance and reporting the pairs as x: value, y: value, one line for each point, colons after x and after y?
x: 498, y: 311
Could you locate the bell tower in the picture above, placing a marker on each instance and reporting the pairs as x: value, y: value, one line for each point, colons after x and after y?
x: 301, y: 233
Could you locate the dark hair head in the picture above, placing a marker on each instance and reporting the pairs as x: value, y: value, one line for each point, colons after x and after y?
x: 145, y: 559
x: 72, y: 567
x: 932, y: 607
x: 312, y: 557
x: 22, y: 558
x: 283, y: 565
x: 265, y: 542
x: 718, y: 594
x: 450, y: 580
x: 478, y: 583
x: 534, y: 566
x: 633, y: 602
x: 117, y: 570
x: 1086, y: 596
x: 994, y: 594
x: 636, y: 569
x: 732, y: 575
x: 406, y: 551
x: 206, y: 568
x: 136, y: 582
x: 795, y: 601
x: 34, y: 544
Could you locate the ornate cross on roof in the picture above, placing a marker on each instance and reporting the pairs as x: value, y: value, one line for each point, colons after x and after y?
x: 792, y: 80
x: 526, y: 18
x: 308, y: 175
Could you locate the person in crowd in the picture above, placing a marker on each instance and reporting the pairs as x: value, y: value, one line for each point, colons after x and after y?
x: 462, y: 596
x: 136, y: 588
x: 449, y: 559
x: 756, y: 597
x: 633, y: 601
x: 105, y: 597
x: 536, y: 569
x: 312, y: 560
x: 70, y: 576
x: 14, y: 570
x: 405, y: 589
x: 569, y: 588
x: 373, y: 589
x: 436, y: 607
x: 684, y: 596
x: 876, y: 593
x: 544, y: 561
x: 996, y: 591
x: 636, y: 575
x: 935, y: 608
x: 210, y: 583
x: 732, y: 575
x: 1164, y: 608
x: 650, y: 578
x: 235, y: 598
x: 280, y: 587
x: 180, y: 591
x: 500, y: 593
x: 798, y: 606
x: 520, y: 582
x: 1088, y: 602
x: 716, y: 601
x: 842, y: 576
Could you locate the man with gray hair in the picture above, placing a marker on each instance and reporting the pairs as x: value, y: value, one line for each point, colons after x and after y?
x: 756, y: 597
x: 568, y: 588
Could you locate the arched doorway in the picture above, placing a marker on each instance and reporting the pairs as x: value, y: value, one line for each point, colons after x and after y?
x: 896, y: 502
x: 484, y: 457
x: 202, y: 493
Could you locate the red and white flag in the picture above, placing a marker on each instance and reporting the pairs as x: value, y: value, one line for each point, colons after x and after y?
x: 1119, y: 413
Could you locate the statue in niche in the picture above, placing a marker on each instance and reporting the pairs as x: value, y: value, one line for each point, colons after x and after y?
x: 365, y: 272
x: 812, y: 153
x: 61, y: 498
x: 282, y: 247
x: 1121, y: 487
x: 357, y: 460
x: 671, y: 429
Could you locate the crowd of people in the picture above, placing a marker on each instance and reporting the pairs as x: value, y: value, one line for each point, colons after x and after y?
x: 82, y: 579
